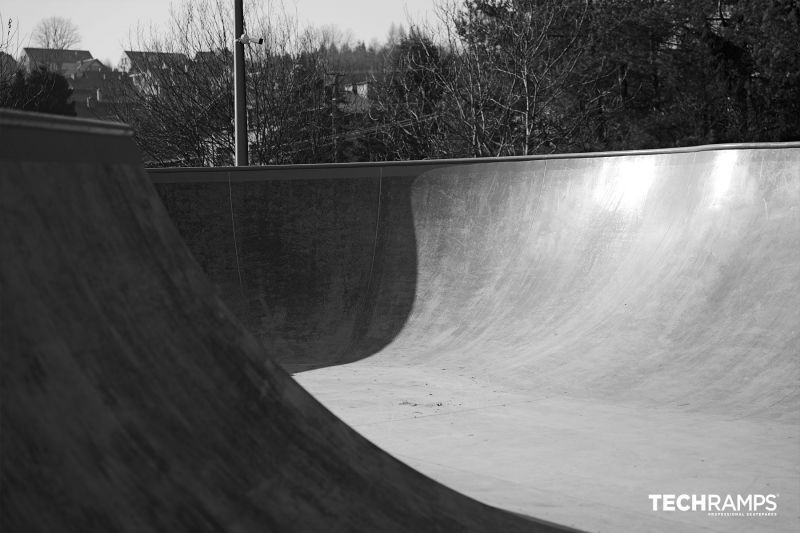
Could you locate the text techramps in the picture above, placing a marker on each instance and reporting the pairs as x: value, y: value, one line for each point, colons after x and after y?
x: 572, y: 338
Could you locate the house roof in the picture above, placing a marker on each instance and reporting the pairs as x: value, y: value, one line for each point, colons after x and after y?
x: 94, y: 78
x: 156, y: 60
x: 52, y: 55
x: 216, y: 55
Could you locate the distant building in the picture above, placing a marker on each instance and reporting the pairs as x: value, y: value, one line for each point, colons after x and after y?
x: 216, y: 67
x: 215, y: 58
x: 98, y: 93
x: 355, y: 97
x: 133, y: 62
x: 148, y: 70
x: 94, y: 85
x: 52, y: 59
x: 83, y: 66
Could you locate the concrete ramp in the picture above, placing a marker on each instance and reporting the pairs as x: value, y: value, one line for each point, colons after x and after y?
x: 132, y: 399
x: 561, y: 336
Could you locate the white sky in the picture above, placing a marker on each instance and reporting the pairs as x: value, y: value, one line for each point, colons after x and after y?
x: 105, y: 24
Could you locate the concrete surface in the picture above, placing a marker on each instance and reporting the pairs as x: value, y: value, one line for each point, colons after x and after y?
x: 131, y: 398
x: 558, y: 336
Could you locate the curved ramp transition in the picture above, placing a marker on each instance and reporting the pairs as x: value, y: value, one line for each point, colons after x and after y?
x: 132, y: 400
x: 560, y: 336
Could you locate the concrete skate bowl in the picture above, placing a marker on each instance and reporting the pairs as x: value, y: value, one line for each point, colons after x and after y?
x: 560, y: 336
x: 132, y: 399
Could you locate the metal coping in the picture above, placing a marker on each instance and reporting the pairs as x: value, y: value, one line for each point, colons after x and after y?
x: 366, y: 169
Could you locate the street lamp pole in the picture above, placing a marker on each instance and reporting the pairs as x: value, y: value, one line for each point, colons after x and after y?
x: 239, y: 89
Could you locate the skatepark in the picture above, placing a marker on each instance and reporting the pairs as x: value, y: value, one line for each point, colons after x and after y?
x: 515, y: 344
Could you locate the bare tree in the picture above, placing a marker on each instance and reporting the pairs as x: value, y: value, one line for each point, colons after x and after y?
x: 8, y: 50
x: 57, y: 33
x: 8, y: 37
x: 513, y: 68
x: 180, y: 96
x: 487, y: 78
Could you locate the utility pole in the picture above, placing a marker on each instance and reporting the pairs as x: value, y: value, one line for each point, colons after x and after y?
x: 239, y: 88
x: 334, y: 101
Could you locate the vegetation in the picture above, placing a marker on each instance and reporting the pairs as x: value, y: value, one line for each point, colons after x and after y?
x: 40, y: 91
x: 485, y: 78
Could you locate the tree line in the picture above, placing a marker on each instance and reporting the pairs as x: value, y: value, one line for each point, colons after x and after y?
x: 516, y: 77
x: 480, y: 78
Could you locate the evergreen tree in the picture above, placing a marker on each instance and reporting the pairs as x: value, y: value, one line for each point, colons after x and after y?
x: 41, y: 91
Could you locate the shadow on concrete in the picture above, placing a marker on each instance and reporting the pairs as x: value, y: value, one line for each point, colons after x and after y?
x: 320, y: 263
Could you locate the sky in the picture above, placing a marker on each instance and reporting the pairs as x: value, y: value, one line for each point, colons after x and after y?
x: 105, y: 25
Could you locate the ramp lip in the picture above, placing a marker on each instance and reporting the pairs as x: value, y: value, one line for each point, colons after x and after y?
x: 393, y: 169
x: 45, y: 121
x: 475, y: 160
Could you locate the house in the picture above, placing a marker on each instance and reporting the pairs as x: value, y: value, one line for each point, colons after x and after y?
x: 133, y: 62
x: 98, y: 93
x: 93, y: 84
x: 216, y: 58
x: 355, y: 98
x: 148, y: 71
x: 215, y: 66
x: 52, y: 59
x: 83, y: 66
